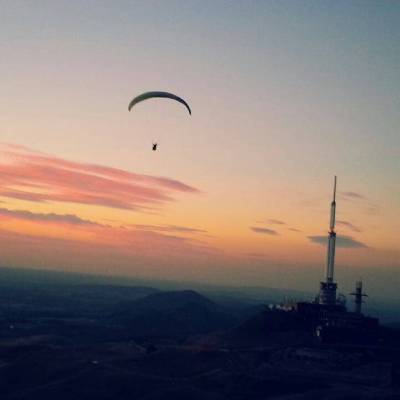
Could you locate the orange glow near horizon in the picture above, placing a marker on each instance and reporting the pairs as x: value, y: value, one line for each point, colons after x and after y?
x: 233, y: 231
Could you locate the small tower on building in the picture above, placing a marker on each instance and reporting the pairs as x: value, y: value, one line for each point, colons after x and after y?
x: 358, y: 297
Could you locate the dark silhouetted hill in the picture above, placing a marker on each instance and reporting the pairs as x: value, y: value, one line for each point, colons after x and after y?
x: 173, y: 314
x: 270, y: 327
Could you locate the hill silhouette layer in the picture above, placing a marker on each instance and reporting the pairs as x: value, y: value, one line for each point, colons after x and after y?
x: 173, y: 314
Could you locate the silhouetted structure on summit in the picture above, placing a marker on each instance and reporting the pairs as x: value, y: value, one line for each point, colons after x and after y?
x: 328, y: 315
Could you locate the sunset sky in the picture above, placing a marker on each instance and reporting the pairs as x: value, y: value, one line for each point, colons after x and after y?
x: 284, y: 95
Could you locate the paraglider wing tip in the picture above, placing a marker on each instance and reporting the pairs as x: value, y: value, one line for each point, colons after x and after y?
x: 187, y: 106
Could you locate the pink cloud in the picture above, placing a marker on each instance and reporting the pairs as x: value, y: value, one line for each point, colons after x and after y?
x: 140, y: 253
x: 69, y: 219
x: 169, y: 228
x: 125, y: 240
x: 32, y: 176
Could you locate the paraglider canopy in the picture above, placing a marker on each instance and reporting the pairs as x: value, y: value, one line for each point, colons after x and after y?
x: 155, y: 94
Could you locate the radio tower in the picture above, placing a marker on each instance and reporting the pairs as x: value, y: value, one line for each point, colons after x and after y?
x: 358, y: 297
x: 327, y: 292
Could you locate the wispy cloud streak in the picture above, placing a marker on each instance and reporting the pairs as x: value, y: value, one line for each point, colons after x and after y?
x: 31, y: 176
x: 70, y: 227
x: 276, y: 222
x: 352, y: 195
x: 349, y: 225
x: 25, y: 215
x: 264, y: 231
x: 341, y: 241
x: 169, y: 228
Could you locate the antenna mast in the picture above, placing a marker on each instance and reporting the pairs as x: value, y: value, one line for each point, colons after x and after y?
x: 328, y: 288
x: 332, y: 239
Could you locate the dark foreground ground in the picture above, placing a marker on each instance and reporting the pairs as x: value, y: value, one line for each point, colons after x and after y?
x: 64, y: 340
